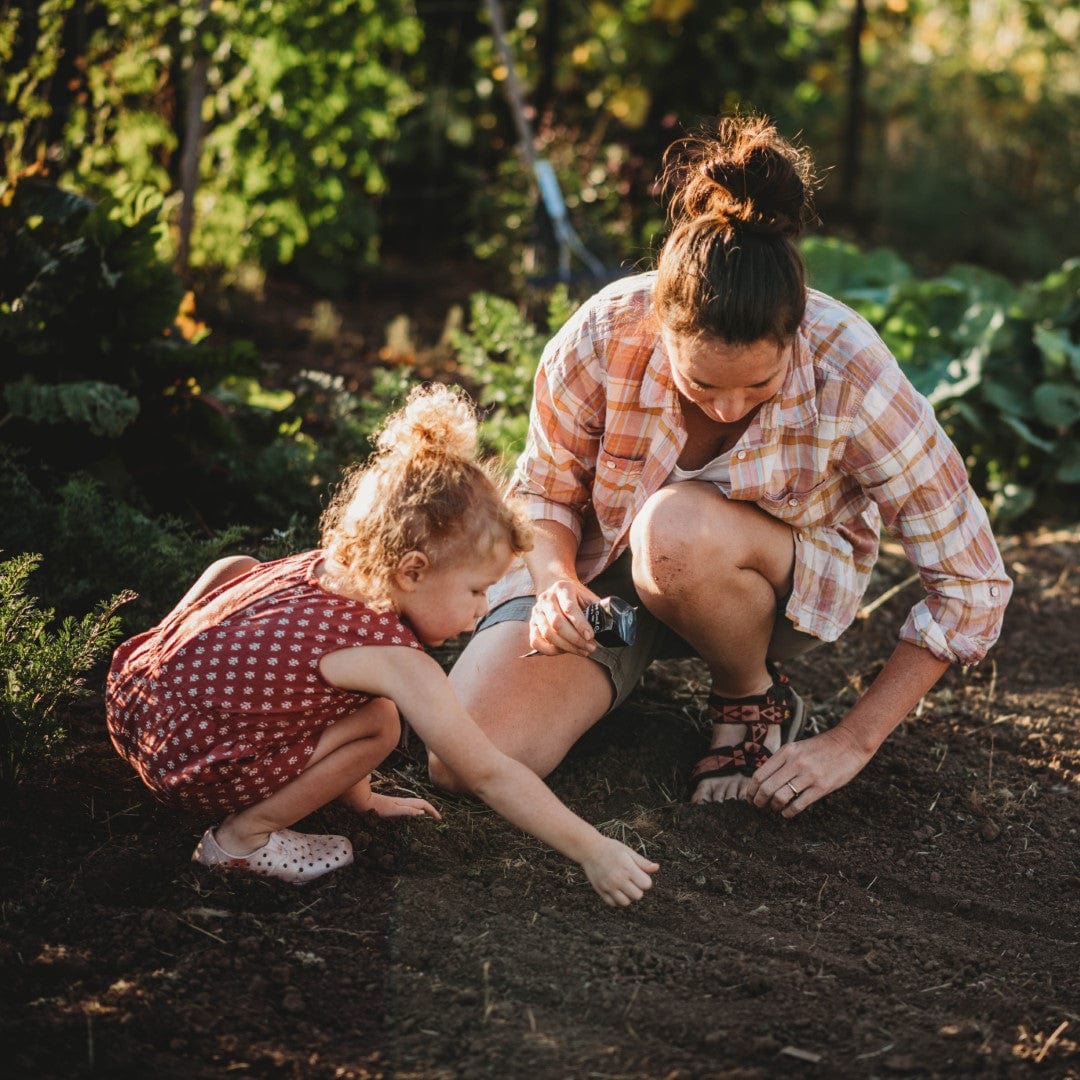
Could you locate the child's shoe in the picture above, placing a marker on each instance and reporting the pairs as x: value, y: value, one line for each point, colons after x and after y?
x: 287, y: 855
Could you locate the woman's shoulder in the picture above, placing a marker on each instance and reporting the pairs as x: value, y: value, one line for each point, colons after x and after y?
x: 843, y: 344
x: 623, y: 303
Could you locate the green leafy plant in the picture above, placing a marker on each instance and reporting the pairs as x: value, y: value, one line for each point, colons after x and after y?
x: 298, y: 103
x: 43, y: 668
x: 1000, y: 364
x: 499, y: 354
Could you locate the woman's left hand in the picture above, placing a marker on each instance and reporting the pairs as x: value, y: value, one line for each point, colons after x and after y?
x: 800, y: 773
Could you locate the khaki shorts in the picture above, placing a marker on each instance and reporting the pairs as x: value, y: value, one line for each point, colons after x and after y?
x: 655, y: 640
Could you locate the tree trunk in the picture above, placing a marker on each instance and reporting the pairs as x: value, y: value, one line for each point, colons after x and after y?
x: 852, y: 156
x: 191, y: 150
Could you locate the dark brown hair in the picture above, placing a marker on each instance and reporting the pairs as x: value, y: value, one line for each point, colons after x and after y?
x: 739, y: 198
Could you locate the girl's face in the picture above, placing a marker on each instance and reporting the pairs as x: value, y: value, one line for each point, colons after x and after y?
x: 726, y: 382
x: 444, y: 601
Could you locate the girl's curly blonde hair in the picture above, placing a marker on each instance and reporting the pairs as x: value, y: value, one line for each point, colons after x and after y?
x: 423, y: 489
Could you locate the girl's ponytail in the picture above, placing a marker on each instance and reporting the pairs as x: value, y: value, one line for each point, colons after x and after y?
x: 424, y: 489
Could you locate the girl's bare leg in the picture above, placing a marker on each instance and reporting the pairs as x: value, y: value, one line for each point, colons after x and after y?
x: 712, y: 570
x: 533, y: 709
x: 346, y: 753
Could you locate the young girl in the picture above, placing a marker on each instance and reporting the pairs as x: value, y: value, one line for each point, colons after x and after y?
x: 273, y: 688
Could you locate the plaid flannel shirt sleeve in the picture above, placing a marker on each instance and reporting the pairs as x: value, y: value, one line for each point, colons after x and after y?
x: 554, y: 474
x: 906, y: 463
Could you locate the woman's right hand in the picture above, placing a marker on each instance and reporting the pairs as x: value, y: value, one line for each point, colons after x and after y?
x: 618, y: 873
x: 558, y: 623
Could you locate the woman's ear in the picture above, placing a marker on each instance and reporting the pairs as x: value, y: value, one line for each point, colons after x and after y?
x: 411, y: 569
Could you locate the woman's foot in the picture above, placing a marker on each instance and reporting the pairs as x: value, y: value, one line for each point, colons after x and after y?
x: 746, y: 731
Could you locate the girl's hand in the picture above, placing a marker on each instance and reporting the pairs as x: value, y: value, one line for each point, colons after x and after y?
x: 618, y: 873
x: 400, y: 806
x: 558, y: 623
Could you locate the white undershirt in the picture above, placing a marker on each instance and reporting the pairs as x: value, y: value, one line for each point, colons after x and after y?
x: 717, y: 471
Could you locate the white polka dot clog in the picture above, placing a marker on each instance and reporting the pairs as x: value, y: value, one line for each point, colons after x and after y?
x: 288, y: 856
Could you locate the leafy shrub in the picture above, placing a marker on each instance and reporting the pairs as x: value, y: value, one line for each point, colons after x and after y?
x: 127, y: 447
x: 1000, y: 364
x: 42, y: 668
x: 301, y: 101
x: 95, y: 546
x: 499, y: 355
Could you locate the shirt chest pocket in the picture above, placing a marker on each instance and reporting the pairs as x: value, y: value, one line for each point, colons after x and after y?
x: 799, y: 496
x: 616, y: 486
x: 617, y: 472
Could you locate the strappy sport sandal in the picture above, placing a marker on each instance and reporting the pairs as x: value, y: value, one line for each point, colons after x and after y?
x: 779, y: 705
x: 288, y: 856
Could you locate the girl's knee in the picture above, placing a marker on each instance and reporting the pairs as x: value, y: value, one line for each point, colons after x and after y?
x: 441, y: 776
x: 385, y: 722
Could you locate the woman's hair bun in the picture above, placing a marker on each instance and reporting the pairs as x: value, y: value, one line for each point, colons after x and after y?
x: 744, y: 173
x: 433, y: 421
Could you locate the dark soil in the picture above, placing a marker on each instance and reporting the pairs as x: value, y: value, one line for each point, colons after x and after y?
x: 920, y: 922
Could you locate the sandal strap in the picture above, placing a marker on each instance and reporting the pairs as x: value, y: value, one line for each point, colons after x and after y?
x: 744, y: 757
x: 778, y: 705
x: 775, y: 706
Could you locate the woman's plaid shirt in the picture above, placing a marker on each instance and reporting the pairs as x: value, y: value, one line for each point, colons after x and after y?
x: 846, y: 446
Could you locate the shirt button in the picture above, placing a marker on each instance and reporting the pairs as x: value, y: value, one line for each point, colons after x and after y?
x: 994, y: 590
x: 741, y: 455
x: 793, y: 502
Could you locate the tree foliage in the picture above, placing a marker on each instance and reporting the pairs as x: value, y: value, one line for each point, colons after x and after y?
x: 302, y: 101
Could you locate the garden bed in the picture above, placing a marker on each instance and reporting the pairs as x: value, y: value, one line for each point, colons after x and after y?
x: 921, y: 922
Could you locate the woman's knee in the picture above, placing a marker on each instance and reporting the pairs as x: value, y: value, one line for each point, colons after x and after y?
x: 680, y: 527
x: 689, y: 531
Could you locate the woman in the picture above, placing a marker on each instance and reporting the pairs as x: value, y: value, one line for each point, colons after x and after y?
x: 720, y: 444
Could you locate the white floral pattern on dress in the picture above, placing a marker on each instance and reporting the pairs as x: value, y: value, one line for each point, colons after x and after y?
x: 232, y: 749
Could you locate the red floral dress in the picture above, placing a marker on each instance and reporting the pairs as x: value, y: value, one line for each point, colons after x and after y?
x: 220, y: 705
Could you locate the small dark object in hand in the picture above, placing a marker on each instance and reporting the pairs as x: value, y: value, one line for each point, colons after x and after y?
x: 613, y: 620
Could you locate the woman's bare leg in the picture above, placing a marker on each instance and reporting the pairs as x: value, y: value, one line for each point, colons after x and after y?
x: 712, y: 570
x: 346, y: 753
x: 533, y: 708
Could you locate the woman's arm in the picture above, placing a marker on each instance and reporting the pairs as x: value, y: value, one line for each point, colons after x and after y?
x: 829, y: 760
x: 558, y: 623
x: 423, y: 694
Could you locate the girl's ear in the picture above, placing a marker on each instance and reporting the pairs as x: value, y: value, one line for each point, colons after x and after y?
x: 411, y: 569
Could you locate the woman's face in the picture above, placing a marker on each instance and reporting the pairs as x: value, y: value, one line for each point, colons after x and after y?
x: 726, y: 382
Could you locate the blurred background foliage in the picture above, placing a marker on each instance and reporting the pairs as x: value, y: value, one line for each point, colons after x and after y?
x: 155, y: 152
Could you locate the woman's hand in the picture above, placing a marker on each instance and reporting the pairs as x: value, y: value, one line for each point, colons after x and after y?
x: 800, y: 773
x: 618, y: 873
x: 558, y: 623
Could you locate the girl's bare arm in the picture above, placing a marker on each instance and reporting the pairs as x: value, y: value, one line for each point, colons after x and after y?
x: 423, y: 694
